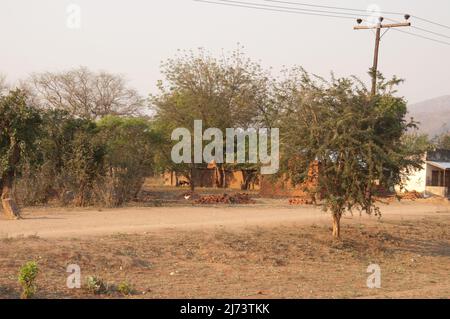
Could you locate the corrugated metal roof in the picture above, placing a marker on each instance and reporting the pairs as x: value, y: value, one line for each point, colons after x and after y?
x: 441, y: 165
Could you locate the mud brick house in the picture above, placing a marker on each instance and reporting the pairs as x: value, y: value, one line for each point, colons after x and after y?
x: 434, y: 177
x: 283, y: 187
x: 210, y: 176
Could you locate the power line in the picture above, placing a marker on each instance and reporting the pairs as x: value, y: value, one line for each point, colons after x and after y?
x: 357, y: 10
x: 432, y: 22
x: 423, y: 37
x: 424, y: 30
x: 329, y: 7
x: 431, y: 32
x: 290, y: 8
x: 241, y: 4
x: 273, y: 10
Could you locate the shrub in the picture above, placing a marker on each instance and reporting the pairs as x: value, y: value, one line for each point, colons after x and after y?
x: 125, y: 288
x: 81, y: 162
x: 96, y: 285
x: 67, y: 162
x: 27, y: 278
x: 129, y: 157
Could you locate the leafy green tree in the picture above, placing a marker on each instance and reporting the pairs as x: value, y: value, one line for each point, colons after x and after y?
x: 417, y: 143
x: 27, y: 279
x: 443, y: 141
x: 19, y: 125
x: 230, y: 92
x: 356, y: 138
x: 84, y: 161
x: 3, y: 84
x: 67, y: 161
x: 130, y: 147
x: 81, y: 162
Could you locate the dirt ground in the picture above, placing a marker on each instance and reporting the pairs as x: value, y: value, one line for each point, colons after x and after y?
x: 263, y: 250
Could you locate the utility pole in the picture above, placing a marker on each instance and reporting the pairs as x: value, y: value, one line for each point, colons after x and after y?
x: 378, y: 36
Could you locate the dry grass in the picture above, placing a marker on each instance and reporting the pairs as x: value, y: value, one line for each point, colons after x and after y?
x: 276, y: 262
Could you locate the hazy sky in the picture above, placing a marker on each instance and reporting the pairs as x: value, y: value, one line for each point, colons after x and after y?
x: 132, y: 37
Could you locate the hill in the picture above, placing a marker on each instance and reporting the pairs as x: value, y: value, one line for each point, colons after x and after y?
x: 433, y: 115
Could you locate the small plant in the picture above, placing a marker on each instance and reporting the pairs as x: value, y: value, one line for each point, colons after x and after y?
x: 95, y: 285
x: 125, y: 288
x: 27, y: 278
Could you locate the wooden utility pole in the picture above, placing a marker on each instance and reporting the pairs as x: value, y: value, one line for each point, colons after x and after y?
x: 378, y: 36
x: 375, y: 60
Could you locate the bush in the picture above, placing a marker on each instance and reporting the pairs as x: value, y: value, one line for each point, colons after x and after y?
x: 130, y: 146
x: 125, y: 288
x: 27, y: 278
x: 67, y: 162
x: 80, y: 162
x: 96, y: 285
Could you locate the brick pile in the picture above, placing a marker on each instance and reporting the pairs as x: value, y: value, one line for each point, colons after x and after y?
x: 411, y: 195
x: 300, y: 201
x: 239, y: 198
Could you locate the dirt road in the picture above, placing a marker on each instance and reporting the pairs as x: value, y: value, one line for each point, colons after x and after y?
x: 256, y: 251
x: 54, y: 223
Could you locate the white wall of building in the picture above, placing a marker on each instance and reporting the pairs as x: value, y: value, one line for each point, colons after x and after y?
x: 417, y: 180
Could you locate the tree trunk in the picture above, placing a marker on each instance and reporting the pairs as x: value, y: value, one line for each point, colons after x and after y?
x: 224, y: 176
x: 248, y: 179
x: 192, y: 179
x: 10, y: 208
x: 337, y: 226
x: 217, y: 177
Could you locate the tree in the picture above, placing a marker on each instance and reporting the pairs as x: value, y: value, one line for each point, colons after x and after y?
x: 3, y: 84
x: 417, y: 143
x: 230, y: 92
x: 85, y: 94
x: 355, y: 138
x: 82, y: 162
x: 19, y: 126
x: 443, y: 141
x: 130, y: 147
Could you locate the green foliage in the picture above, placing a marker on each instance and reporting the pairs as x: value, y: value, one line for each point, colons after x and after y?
x: 443, y: 141
x: 67, y: 161
x: 416, y: 143
x: 125, y: 288
x: 230, y: 92
x: 89, y: 163
x: 27, y: 279
x: 84, y: 161
x: 19, y: 124
x: 130, y: 145
x: 356, y: 139
x: 227, y: 92
x: 96, y: 285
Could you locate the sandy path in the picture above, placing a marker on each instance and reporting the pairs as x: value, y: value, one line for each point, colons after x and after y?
x: 53, y: 223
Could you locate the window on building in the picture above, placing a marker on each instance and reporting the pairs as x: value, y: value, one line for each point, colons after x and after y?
x: 435, y: 178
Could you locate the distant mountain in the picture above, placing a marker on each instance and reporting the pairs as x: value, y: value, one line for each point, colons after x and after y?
x: 433, y: 115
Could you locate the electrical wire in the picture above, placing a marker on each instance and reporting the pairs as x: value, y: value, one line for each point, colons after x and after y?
x: 328, y: 7
x: 290, y: 8
x: 357, y: 10
x: 271, y: 9
x: 331, y: 14
x: 422, y: 29
x: 421, y: 36
x: 432, y: 22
